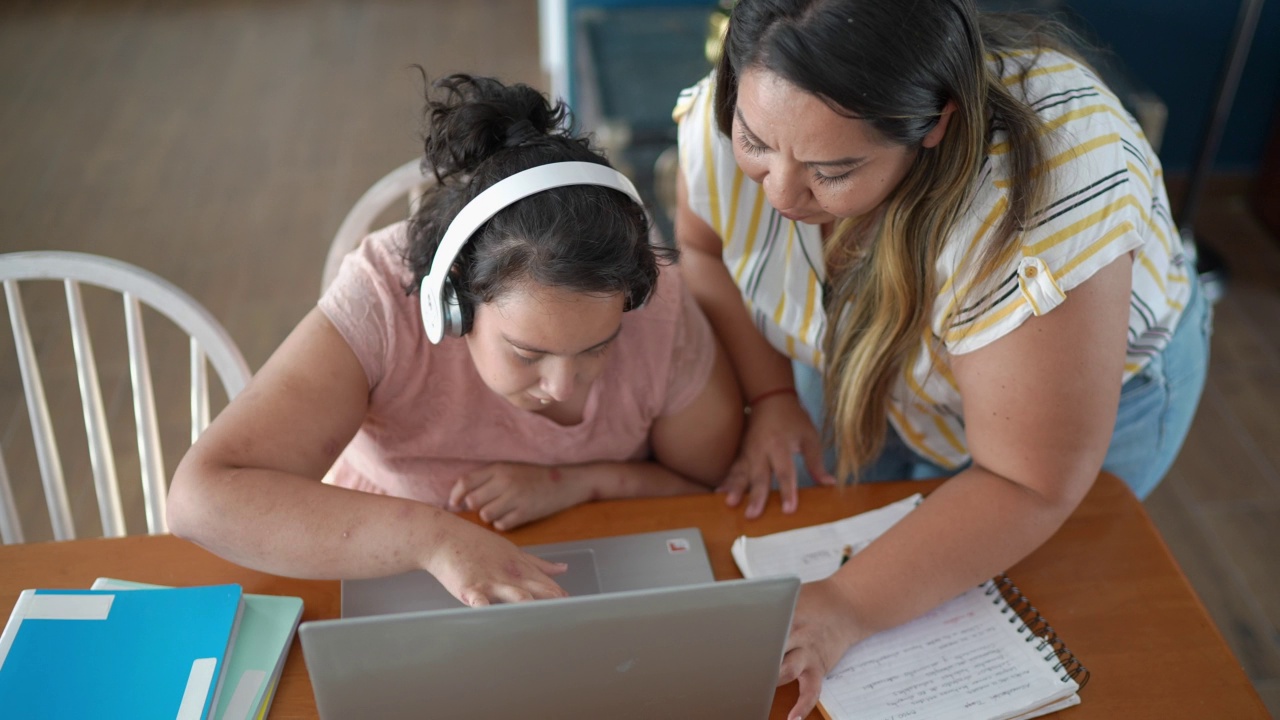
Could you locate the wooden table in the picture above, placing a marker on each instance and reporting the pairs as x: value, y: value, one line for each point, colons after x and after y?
x: 1105, y: 581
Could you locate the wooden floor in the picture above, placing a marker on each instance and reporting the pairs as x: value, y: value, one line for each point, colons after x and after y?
x: 1219, y: 507
x: 218, y: 143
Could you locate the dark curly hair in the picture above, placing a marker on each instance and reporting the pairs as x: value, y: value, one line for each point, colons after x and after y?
x: 585, y: 238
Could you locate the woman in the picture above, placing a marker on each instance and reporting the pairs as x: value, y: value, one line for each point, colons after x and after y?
x: 579, y: 369
x: 960, y: 227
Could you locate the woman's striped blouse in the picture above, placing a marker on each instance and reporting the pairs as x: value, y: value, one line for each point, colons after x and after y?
x: 1107, y: 198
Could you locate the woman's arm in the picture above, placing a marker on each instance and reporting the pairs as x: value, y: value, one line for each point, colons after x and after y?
x: 779, y: 427
x: 249, y: 488
x: 759, y: 367
x: 1039, y: 408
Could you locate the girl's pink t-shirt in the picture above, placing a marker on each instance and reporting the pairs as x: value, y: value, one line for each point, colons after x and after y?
x: 432, y: 419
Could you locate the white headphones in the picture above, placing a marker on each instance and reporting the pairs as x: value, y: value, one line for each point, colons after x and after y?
x: 441, y: 313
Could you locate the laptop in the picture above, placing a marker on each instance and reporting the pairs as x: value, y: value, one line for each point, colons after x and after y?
x: 690, y: 647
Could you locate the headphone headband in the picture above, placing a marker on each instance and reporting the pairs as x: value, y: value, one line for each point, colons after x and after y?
x: 434, y: 288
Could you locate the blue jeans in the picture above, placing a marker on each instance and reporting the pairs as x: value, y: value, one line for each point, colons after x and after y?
x: 1156, y: 408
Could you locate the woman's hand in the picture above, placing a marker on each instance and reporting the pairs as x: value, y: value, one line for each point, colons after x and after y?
x: 508, y: 495
x: 777, y: 429
x: 480, y: 567
x: 822, y: 631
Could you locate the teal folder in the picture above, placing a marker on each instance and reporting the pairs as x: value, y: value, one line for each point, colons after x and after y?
x: 262, y: 643
x: 104, y: 654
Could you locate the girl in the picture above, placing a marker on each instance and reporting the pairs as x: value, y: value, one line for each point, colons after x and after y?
x: 565, y: 362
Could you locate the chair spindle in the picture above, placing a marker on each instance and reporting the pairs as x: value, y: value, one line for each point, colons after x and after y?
x: 55, y: 489
x: 199, y: 392
x: 10, y: 525
x: 150, y: 457
x: 101, y: 456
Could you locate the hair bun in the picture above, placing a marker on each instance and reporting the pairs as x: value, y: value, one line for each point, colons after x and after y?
x: 469, y: 119
x: 521, y: 132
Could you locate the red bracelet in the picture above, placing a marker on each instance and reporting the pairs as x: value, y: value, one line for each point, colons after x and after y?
x: 770, y: 393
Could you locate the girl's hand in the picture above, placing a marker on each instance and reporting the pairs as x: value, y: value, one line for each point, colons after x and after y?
x: 481, y: 568
x: 777, y: 429
x: 822, y: 631
x: 508, y: 495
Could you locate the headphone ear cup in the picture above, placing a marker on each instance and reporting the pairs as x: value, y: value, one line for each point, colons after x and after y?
x: 432, y: 312
x: 456, y: 320
x: 466, y: 316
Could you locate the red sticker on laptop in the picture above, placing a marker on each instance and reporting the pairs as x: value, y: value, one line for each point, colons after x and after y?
x: 677, y: 545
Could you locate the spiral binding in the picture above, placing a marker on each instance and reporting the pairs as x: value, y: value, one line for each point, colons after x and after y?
x: 1037, y: 628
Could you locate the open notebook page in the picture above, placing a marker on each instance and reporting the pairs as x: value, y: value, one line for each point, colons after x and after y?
x: 813, y: 552
x: 964, y: 659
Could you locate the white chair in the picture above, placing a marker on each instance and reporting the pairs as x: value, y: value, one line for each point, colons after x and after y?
x: 406, y: 181
x: 137, y: 287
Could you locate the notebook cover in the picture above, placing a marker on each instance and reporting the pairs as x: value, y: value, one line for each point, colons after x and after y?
x: 253, y: 668
x: 106, y: 654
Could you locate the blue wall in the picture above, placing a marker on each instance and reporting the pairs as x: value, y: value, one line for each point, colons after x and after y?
x: 680, y: 8
x: 1178, y: 48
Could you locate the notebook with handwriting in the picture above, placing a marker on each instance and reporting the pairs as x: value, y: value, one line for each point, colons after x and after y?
x: 985, y: 654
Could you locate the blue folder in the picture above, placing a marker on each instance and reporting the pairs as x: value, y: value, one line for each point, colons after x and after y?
x: 133, y: 654
x: 267, y: 626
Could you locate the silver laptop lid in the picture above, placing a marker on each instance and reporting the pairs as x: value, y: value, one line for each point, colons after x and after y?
x: 707, y: 651
x: 665, y: 558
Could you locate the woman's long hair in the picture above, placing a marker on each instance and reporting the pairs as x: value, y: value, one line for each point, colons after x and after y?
x: 896, y: 65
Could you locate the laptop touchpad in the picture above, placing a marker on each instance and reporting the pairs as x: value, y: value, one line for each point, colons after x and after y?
x: 581, y: 578
x: 420, y: 591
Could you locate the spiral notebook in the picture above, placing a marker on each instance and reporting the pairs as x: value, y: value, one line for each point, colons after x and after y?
x: 986, y: 655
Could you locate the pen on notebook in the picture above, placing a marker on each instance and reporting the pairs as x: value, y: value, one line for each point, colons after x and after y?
x: 846, y: 554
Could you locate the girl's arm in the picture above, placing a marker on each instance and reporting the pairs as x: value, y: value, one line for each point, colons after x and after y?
x: 692, y: 450
x: 1039, y: 409
x: 701, y: 441
x: 249, y: 488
